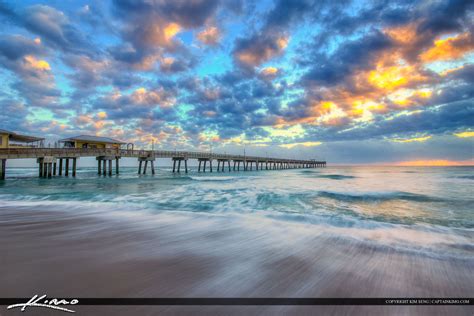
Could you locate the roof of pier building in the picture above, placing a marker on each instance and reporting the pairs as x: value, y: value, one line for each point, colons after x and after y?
x: 20, y: 137
x: 91, y: 138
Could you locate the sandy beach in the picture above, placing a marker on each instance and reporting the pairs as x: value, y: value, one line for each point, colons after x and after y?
x: 91, y: 254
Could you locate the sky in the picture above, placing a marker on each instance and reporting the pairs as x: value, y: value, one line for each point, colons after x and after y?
x: 351, y: 82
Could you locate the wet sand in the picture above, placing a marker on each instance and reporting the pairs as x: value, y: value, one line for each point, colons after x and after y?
x: 88, y: 253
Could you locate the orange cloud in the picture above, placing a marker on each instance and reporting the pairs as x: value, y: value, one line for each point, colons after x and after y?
x: 405, y: 34
x: 269, y: 71
x: 450, y: 48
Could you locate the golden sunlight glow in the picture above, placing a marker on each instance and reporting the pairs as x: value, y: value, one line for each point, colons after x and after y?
x: 37, y: 64
x: 38, y: 40
x: 390, y: 77
x: 305, y: 144
x: 331, y: 113
x: 465, y: 134
x: 411, y: 140
x: 102, y: 115
x: 269, y: 71
x: 171, y: 30
x: 435, y: 163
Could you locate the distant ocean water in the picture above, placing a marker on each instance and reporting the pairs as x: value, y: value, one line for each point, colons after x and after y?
x: 419, y: 213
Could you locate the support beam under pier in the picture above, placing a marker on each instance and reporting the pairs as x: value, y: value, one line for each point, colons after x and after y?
x: 146, y: 160
x: 204, y: 161
x: 179, y: 159
x: 103, y: 161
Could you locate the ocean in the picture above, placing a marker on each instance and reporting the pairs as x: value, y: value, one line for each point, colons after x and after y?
x: 329, y: 232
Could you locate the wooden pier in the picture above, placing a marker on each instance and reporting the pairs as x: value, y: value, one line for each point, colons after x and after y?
x: 52, y: 160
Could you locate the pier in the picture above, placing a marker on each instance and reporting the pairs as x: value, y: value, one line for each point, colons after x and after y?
x: 58, y: 161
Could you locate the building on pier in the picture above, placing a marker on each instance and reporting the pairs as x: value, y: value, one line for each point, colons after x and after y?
x: 14, y: 140
x: 89, y: 141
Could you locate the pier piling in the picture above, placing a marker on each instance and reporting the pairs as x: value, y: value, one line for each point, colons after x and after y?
x: 3, y: 169
x: 147, y: 159
x: 74, y: 166
x: 66, y: 171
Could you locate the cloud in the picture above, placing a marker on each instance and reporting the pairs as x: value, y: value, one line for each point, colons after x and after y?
x: 53, y: 27
x: 352, y: 56
x: 35, y: 83
x: 149, y: 28
x: 14, y: 47
x: 272, y: 38
x: 141, y: 103
x: 13, y: 115
x: 210, y: 36
x: 256, y: 50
